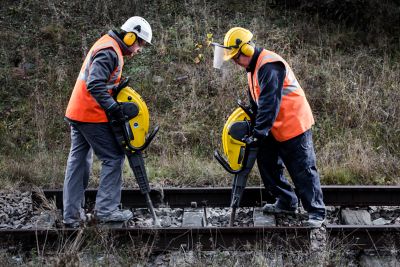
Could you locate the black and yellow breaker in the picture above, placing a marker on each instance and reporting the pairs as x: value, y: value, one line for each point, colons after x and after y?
x: 240, y: 156
x: 133, y: 136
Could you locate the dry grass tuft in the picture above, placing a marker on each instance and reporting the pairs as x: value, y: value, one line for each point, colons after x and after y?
x: 68, y: 252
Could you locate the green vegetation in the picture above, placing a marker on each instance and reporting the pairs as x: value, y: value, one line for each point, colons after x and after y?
x: 99, y: 249
x: 345, y: 54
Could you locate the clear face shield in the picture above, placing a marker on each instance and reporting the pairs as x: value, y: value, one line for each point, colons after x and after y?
x: 221, y: 55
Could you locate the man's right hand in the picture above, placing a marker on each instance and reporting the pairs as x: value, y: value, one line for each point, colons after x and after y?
x: 116, y: 114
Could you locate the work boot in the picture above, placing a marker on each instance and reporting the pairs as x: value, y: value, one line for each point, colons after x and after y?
x: 273, y: 208
x: 77, y: 224
x: 82, y: 215
x: 116, y: 216
x: 74, y: 225
x: 314, y: 222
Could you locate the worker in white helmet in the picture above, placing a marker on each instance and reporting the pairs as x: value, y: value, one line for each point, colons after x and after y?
x: 89, y: 110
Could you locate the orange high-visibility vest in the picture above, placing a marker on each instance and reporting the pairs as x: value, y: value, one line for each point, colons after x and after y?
x: 295, y: 115
x: 82, y: 106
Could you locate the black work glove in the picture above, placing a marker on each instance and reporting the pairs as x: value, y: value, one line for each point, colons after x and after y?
x: 249, y: 109
x: 251, y: 141
x: 122, y: 84
x: 116, y: 114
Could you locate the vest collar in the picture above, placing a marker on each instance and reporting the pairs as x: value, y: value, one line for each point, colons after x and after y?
x: 124, y: 47
x: 254, y: 59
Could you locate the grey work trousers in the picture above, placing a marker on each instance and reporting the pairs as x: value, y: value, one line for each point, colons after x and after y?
x: 85, y: 138
x: 298, y: 156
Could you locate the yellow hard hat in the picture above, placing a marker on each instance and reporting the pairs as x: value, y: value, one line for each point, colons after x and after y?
x: 235, y: 38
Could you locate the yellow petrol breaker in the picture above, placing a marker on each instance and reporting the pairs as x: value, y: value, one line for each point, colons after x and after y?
x: 133, y: 137
x: 240, y: 157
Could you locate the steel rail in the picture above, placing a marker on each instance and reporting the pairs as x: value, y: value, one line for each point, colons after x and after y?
x: 349, y: 196
x: 211, y: 238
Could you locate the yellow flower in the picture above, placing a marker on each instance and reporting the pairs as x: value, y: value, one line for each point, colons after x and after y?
x: 198, y: 46
x: 209, y: 39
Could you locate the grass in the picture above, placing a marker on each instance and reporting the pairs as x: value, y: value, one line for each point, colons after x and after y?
x: 349, y: 70
x: 98, y: 248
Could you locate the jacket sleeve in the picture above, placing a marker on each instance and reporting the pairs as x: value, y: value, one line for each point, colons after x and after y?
x: 253, y: 104
x: 270, y: 79
x: 103, y: 64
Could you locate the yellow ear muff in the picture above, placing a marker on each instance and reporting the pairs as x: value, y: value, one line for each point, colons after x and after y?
x: 247, y: 50
x: 129, y: 38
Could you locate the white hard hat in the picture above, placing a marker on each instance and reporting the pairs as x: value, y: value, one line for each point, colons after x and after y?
x: 140, y: 26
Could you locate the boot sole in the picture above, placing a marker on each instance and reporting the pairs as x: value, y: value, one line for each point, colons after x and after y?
x: 280, y: 211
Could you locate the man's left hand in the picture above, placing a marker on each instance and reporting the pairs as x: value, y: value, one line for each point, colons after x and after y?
x: 122, y: 84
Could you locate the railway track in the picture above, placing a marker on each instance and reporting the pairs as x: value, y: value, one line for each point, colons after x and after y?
x: 209, y: 237
x: 349, y: 196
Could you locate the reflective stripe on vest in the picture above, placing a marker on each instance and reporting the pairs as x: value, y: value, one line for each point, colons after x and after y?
x: 294, y: 116
x: 82, y: 106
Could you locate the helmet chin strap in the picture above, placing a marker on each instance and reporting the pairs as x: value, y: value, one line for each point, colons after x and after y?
x: 239, y: 54
x: 133, y: 52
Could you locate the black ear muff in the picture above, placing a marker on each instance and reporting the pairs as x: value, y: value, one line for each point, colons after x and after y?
x: 129, y: 38
x: 247, y: 50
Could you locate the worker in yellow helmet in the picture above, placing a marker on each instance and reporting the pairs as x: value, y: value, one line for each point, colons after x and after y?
x: 282, y: 127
